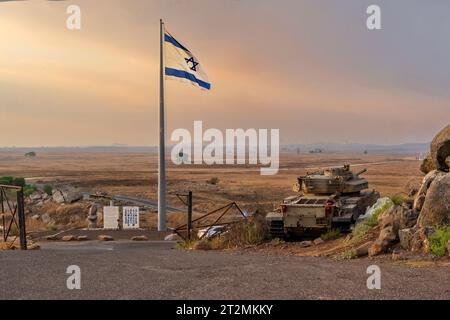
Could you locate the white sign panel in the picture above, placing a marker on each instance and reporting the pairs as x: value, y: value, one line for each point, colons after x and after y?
x: 130, y: 217
x: 111, y: 217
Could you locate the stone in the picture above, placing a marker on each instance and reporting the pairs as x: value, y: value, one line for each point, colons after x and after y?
x: 35, y: 196
x: 173, y: 237
x: 427, y: 165
x: 68, y: 195
x: 426, y: 183
x: 419, y: 200
x: 406, y: 238
x: 363, y: 250
x: 318, y: 241
x: 375, y: 249
x: 46, y: 218
x: 397, y: 254
x: 82, y: 238
x: 72, y: 195
x: 305, y: 244
x: 398, y: 217
x: 388, y: 237
x: 408, y: 218
x: 35, y: 217
x: 418, y: 240
x: 69, y: 237
x: 52, y: 237
x: 140, y: 238
x: 105, y: 238
x: 57, y: 196
x: 436, y: 207
x: 440, y: 149
x: 412, y: 187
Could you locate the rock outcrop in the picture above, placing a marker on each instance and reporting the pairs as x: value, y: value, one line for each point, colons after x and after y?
x: 427, y: 165
x: 432, y: 201
x: 413, y: 226
x: 440, y: 149
x: 391, y: 222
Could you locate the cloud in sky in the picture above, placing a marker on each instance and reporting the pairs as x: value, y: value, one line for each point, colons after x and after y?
x: 310, y: 68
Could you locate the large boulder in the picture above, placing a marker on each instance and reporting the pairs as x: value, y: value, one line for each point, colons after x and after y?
x: 58, y: 196
x: 66, y: 195
x: 419, y: 199
x: 436, y: 207
x: 440, y: 149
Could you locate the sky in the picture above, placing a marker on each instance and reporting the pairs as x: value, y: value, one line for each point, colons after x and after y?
x: 310, y: 68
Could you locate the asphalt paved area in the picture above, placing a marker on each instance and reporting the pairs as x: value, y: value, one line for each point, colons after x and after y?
x: 156, y: 270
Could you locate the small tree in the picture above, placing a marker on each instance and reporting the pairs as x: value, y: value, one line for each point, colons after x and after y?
x: 20, y: 182
x: 6, y: 180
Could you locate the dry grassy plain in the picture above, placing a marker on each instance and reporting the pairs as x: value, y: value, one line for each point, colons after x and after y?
x: 135, y: 174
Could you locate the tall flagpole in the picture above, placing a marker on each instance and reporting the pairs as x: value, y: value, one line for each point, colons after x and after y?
x: 162, y: 151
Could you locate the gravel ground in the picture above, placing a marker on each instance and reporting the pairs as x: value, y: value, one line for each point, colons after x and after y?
x: 155, y: 270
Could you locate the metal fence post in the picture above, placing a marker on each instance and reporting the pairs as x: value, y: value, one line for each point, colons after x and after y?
x: 189, y: 217
x: 21, y: 213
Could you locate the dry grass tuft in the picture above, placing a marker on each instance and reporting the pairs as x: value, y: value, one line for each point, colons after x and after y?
x: 252, y: 231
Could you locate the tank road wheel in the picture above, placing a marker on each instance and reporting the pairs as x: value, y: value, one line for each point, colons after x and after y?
x: 276, y: 229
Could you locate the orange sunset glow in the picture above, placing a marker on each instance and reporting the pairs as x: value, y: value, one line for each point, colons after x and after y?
x: 307, y: 69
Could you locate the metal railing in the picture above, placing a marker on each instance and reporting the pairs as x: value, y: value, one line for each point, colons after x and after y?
x: 12, y: 212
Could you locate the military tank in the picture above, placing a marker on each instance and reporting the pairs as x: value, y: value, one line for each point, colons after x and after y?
x: 326, y: 199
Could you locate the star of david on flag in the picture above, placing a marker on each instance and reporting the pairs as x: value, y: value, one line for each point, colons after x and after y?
x: 181, y: 64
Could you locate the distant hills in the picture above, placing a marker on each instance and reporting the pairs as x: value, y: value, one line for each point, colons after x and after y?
x: 408, y: 148
x: 356, y: 147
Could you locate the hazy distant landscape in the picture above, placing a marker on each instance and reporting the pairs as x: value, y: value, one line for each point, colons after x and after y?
x: 407, y: 148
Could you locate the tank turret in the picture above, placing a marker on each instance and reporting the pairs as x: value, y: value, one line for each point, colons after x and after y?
x: 335, y: 180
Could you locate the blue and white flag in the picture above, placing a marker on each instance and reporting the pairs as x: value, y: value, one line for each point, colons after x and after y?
x: 181, y: 64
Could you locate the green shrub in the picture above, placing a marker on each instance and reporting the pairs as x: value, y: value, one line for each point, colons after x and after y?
x: 361, y: 229
x: 398, y: 199
x: 52, y: 227
x: 6, y: 180
x: 213, y: 180
x: 331, y: 234
x: 48, y: 189
x: 29, y: 190
x: 20, y: 182
x: 439, y: 240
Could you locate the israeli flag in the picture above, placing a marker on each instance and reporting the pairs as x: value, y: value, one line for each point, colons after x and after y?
x: 181, y: 64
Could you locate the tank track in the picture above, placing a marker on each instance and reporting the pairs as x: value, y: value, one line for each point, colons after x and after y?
x: 276, y: 229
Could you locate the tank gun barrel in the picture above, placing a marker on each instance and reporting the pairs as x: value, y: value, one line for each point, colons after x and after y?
x: 361, y: 172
